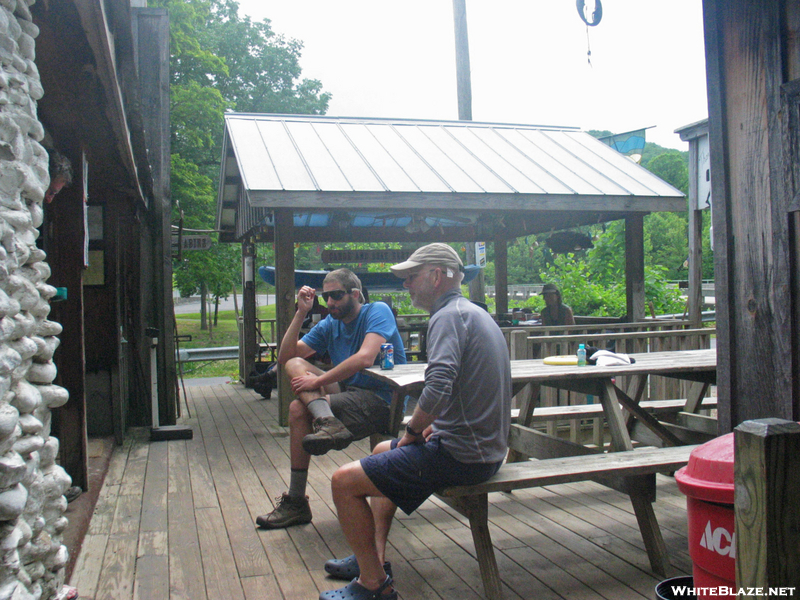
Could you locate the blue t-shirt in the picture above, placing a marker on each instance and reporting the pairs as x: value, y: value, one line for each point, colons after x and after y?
x: 341, y: 340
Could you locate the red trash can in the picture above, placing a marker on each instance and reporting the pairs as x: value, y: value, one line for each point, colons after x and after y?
x: 707, y: 481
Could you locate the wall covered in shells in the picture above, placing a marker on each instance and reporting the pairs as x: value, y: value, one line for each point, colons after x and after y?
x: 32, y: 505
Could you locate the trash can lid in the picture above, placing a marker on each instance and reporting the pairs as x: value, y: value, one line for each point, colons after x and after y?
x: 709, y: 474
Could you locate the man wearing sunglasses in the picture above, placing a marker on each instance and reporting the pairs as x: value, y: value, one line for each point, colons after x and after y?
x: 336, y: 407
x: 457, y: 435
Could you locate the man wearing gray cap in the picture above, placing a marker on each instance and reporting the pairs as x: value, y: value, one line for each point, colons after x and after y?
x: 457, y: 434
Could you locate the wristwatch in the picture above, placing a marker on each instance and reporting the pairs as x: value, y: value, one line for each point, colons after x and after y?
x: 411, y: 432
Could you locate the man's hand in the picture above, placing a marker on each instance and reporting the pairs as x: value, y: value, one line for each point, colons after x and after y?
x: 305, y: 299
x: 305, y: 383
x: 410, y: 439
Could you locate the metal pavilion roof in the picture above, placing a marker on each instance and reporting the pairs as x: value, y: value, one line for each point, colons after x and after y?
x: 343, y: 174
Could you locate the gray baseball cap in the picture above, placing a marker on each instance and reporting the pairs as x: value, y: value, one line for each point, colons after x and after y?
x: 432, y: 254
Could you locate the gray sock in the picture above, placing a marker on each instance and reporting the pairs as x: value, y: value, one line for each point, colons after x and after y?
x: 319, y: 408
x: 297, y: 483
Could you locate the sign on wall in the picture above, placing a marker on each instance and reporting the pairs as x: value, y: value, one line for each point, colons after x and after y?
x: 364, y: 256
x: 480, y: 254
x: 191, y: 242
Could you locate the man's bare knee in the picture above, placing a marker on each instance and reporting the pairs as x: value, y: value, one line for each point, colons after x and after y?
x: 384, y: 446
x: 351, y: 480
x: 298, y: 366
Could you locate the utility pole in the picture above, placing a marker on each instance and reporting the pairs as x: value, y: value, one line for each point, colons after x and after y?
x: 464, y: 87
x: 463, y: 80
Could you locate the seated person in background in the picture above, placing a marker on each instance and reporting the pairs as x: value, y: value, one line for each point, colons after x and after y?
x: 555, y: 313
x: 336, y: 407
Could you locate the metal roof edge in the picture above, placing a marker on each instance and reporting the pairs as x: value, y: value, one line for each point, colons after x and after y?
x: 391, y: 120
x: 693, y: 130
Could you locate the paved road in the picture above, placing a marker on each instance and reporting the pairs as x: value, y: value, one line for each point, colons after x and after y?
x: 192, y: 305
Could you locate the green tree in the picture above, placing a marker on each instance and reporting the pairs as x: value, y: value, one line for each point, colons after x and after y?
x: 221, y: 61
x: 263, y: 68
x: 673, y: 168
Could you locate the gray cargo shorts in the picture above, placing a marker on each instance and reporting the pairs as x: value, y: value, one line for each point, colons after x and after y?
x: 362, y: 411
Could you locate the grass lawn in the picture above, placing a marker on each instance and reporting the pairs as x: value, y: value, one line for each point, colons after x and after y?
x: 225, y: 333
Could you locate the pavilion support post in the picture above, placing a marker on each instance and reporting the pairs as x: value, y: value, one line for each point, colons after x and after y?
x: 767, y: 516
x: 284, y: 297
x: 501, y: 276
x: 695, y: 291
x: 634, y: 267
x: 477, y: 289
x: 248, y: 332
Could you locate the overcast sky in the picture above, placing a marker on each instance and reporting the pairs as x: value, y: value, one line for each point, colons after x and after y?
x: 528, y: 60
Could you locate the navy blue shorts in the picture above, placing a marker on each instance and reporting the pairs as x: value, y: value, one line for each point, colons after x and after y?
x: 410, y: 474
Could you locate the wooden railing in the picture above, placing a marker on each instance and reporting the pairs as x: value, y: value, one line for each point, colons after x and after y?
x: 579, y: 329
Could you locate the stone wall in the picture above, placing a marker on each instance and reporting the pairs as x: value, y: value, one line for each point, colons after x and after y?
x: 32, y: 505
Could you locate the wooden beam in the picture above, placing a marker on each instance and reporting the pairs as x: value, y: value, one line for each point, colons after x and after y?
x: 501, y: 276
x: 284, y: 297
x: 64, y: 252
x: 512, y: 226
x: 153, y: 51
x: 634, y: 267
x: 746, y: 47
x: 477, y: 289
x: 767, y: 515
x: 248, y: 342
x: 713, y: 11
x: 96, y: 24
x: 695, y: 293
x: 427, y: 201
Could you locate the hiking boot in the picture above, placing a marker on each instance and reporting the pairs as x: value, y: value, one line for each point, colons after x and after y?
x: 329, y: 434
x: 289, y: 511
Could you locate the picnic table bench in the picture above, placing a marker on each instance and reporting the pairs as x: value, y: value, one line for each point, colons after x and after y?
x: 472, y: 501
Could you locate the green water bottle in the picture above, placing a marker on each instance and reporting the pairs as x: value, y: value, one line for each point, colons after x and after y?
x: 581, y: 355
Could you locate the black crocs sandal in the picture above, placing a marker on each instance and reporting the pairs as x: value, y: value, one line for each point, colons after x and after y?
x: 347, y: 568
x: 356, y: 591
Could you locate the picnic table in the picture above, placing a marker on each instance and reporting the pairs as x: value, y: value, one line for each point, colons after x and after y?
x: 527, y: 376
x: 697, y: 366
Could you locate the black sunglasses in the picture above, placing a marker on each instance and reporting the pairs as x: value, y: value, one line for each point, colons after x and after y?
x: 336, y: 295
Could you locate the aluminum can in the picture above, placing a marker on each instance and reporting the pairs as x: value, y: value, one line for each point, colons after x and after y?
x: 387, y: 356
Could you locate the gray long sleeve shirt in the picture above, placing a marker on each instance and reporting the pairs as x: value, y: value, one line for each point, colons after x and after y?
x: 467, y: 381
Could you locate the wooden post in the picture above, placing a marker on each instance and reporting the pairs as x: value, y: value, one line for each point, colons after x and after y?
x: 501, y: 276
x: 698, y: 200
x: 69, y: 421
x: 634, y: 267
x: 463, y: 81
x: 519, y: 345
x: 767, y: 511
x: 695, y: 292
x: 248, y: 333
x: 477, y: 289
x: 153, y: 51
x: 747, y: 50
x: 284, y: 296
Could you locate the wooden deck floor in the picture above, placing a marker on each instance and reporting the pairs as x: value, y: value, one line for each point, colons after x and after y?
x: 175, y: 520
